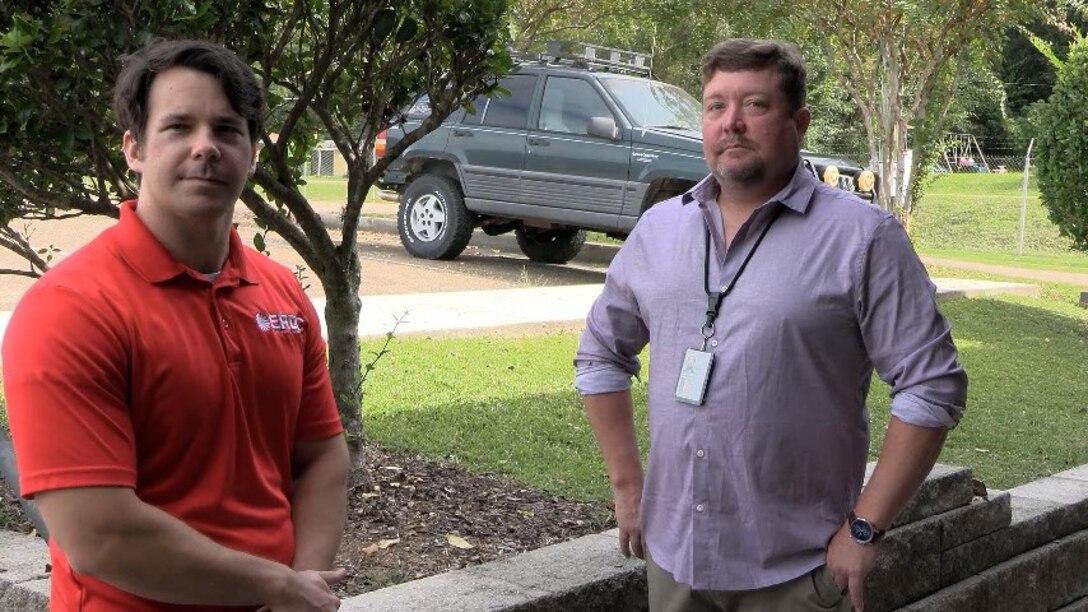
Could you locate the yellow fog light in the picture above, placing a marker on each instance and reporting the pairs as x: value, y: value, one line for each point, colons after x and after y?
x: 831, y: 176
x: 866, y: 181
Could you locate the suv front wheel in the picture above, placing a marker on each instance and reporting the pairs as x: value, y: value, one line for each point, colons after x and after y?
x: 555, y: 246
x: 432, y: 220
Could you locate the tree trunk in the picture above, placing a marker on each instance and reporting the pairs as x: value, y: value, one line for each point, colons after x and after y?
x: 342, y: 320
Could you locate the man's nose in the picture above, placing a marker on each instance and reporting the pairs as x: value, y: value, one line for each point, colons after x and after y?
x: 205, y: 145
x: 732, y: 119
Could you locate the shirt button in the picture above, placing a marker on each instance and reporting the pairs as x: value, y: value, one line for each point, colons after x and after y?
x: 700, y: 453
x: 723, y: 288
x: 699, y: 508
x: 713, y: 343
x: 226, y: 325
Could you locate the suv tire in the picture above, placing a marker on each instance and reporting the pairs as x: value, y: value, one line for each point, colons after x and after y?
x: 556, y: 246
x: 432, y: 220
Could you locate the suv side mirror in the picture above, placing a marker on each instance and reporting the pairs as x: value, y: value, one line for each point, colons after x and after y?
x: 605, y: 127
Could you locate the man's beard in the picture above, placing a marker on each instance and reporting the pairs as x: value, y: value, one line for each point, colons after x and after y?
x: 751, y: 171
x: 747, y: 174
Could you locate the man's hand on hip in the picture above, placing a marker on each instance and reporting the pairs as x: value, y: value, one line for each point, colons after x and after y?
x: 849, y: 563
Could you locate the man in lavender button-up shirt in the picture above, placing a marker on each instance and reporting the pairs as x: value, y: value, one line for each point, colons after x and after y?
x: 751, y: 497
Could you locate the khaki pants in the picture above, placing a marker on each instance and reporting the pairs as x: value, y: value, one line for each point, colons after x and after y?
x: 811, y: 592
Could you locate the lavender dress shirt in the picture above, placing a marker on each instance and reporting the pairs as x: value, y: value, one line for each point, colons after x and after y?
x: 745, y: 491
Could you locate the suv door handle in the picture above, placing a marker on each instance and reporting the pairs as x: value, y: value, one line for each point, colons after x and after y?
x: 540, y: 142
x: 462, y: 133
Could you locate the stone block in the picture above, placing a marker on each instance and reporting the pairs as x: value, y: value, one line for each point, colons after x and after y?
x: 22, y: 557
x: 1041, y: 580
x: 584, y: 574
x: 1066, y: 488
x: 1080, y: 605
x: 1033, y: 523
x: 908, y: 567
x: 453, y: 591
x: 945, y: 488
x: 1084, y: 299
x: 1077, y: 473
x: 977, y: 519
x: 32, y: 596
x: 587, y: 573
x: 24, y: 580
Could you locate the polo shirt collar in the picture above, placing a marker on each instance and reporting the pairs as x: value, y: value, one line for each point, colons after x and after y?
x: 150, y: 259
x: 796, y: 195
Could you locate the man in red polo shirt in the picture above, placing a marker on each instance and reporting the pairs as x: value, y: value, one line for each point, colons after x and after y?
x: 166, y: 386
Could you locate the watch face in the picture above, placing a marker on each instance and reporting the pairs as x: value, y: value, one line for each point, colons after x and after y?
x: 861, y: 531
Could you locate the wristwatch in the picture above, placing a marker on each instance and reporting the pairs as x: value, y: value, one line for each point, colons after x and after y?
x: 862, y: 531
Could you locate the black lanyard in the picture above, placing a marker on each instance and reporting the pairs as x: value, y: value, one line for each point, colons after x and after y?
x: 714, y: 299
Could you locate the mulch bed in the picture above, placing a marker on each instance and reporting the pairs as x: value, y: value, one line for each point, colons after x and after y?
x: 414, y: 517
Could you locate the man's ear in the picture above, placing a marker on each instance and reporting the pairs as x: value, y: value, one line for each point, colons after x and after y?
x: 132, y: 152
x: 802, y: 118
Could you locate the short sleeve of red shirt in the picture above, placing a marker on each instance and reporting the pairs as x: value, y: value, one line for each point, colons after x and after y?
x: 65, y: 372
x: 318, y: 417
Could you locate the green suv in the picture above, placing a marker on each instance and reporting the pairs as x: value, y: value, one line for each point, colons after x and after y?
x: 571, y: 148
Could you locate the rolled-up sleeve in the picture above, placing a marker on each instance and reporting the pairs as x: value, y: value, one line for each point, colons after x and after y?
x: 614, y: 335
x: 908, y: 340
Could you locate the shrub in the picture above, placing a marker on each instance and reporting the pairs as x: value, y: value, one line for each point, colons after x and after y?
x: 1063, y: 148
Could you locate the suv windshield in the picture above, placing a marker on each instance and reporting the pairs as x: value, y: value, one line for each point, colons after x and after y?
x: 656, y: 104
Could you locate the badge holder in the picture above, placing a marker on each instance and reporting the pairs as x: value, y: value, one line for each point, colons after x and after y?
x: 695, y: 371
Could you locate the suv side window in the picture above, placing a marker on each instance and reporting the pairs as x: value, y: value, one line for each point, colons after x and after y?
x: 506, y: 111
x: 480, y: 106
x: 568, y: 105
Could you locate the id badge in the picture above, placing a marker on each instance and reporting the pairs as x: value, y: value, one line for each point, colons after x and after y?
x: 694, y: 375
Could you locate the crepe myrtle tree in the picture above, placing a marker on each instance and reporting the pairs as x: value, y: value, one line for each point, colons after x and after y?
x: 341, y: 70
x: 347, y: 70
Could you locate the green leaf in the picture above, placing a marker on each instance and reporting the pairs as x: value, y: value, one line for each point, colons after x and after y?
x: 383, y: 24
x: 55, y: 35
x: 258, y: 242
x: 68, y: 141
x: 407, y: 30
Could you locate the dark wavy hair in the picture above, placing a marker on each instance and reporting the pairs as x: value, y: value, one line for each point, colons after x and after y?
x: 739, y: 54
x: 139, y: 69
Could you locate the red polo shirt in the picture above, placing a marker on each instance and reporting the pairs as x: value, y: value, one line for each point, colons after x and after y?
x: 122, y: 367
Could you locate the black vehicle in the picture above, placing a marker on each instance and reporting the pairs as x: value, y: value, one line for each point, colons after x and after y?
x: 578, y: 145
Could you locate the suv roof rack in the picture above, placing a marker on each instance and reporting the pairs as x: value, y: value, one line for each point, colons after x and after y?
x: 592, y: 57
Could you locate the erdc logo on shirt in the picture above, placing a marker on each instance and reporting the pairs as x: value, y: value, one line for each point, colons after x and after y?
x: 283, y: 323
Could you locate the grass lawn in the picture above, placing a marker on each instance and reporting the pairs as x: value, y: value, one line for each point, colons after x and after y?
x: 976, y: 217
x: 507, y: 405
x: 331, y: 189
